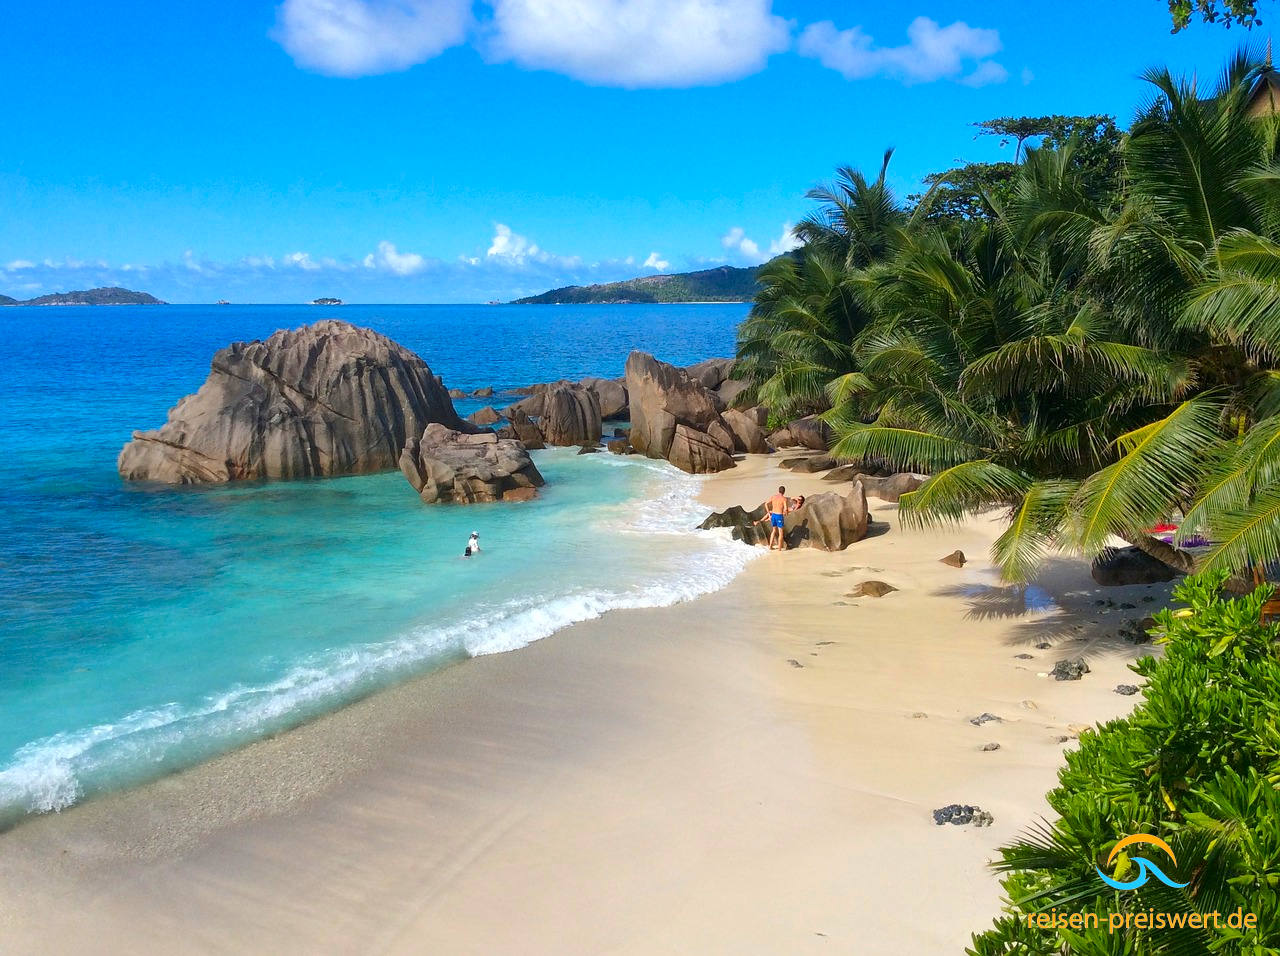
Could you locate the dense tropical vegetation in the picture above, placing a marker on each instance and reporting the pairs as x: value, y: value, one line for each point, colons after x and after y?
x: 1197, y: 764
x: 1091, y: 341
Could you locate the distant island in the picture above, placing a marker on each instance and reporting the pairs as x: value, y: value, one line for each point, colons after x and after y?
x: 722, y: 284
x: 326, y: 302
x: 112, y: 295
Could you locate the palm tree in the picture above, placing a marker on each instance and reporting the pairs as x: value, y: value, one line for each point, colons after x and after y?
x: 799, y: 337
x: 1096, y: 370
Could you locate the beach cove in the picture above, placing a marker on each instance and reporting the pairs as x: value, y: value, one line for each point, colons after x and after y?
x: 753, y: 770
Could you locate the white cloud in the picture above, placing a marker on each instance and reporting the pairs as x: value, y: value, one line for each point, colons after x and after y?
x: 743, y: 248
x: 17, y: 264
x: 985, y: 74
x: 392, y: 260
x: 364, y: 37
x: 1027, y: 76
x: 510, y: 245
x: 932, y: 52
x: 303, y: 261
x: 639, y: 43
x: 655, y: 261
x: 784, y: 243
x: 740, y: 245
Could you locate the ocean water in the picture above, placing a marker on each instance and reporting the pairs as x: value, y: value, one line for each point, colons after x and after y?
x: 143, y: 630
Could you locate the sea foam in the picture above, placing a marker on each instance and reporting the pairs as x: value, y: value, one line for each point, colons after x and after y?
x: 55, y: 772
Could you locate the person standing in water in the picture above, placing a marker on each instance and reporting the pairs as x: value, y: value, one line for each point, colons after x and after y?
x: 776, y: 509
x: 473, y: 545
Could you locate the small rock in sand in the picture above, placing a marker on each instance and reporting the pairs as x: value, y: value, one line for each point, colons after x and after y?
x: 1043, y: 646
x: 1061, y: 738
x: 1126, y: 690
x: 823, y: 643
x: 961, y: 814
x: 920, y: 715
x: 871, y: 589
x: 793, y: 662
x: 1024, y: 657
x: 1070, y: 669
x: 986, y: 748
x: 985, y: 718
x: 956, y: 559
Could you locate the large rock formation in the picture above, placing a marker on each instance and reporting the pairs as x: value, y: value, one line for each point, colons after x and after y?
x: 612, y: 393
x: 448, y: 466
x: 523, y: 430
x: 675, y: 417
x: 570, y: 416
x: 748, y: 436
x: 893, y: 487
x: 1117, y: 567
x: 325, y: 399
x: 808, y: 432
x: 829, y: 521
x: 711, y: 373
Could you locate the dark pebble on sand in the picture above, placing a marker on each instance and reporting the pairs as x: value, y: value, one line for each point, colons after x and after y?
x: 991, y: 746
x: 1127, y: 690
x: 985, y: 718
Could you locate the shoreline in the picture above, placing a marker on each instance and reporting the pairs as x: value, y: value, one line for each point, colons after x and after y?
x: 722, y: 773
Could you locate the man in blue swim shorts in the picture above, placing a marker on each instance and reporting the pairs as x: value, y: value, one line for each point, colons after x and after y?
x: 776, y: 509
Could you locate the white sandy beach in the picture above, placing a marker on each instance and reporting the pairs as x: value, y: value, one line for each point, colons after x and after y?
x: 753, y: 771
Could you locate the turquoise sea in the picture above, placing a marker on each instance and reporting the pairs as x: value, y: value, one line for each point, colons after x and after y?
x: 142, y: 630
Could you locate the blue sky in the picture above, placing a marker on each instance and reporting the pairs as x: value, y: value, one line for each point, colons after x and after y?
x: 451, y: 151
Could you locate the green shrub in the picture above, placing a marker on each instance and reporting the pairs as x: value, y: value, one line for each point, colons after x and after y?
x: 1196, y: 763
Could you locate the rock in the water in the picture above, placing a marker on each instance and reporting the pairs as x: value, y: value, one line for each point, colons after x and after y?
x: 872, y: 589
x: 742, y: 524
x: 486, y: 392
x: 620, y: 446
x: 447, y: 466
x: 570, y: 416
x: 955, y: 559
x: 1116, y: 567
x: 829, y: 521
x: 1126, y: 690
x: 612, y: 393
x: 588, y: 449
x: 747, y: 435
x: 526, y: 432
x: 1070, y: 669
x: 457, y: 393
x: 485, y: 416
x: 893, y: 487
x: 672, y: 416
x: 961, y: 814
x: 326, y: 399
